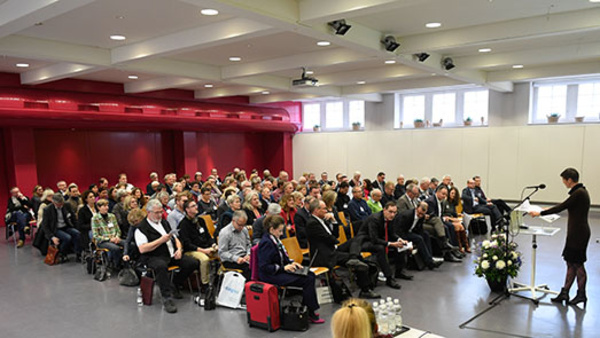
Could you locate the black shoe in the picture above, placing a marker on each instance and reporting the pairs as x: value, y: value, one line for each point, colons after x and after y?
x: 369, y: 294
x: 169, y: 305
x: 562, y: 296
x: 581, y: 297
x: 177, y: 294
x: 434, y: 264
x: 357, y: 265
x: 456, y: 254
x: 404, y: 276
x: 449, y: 258
x: 392, y: 283
x: 78, y: 258
x: 449, y: 246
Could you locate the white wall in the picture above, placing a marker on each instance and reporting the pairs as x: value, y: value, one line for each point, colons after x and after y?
x: 507, y: 157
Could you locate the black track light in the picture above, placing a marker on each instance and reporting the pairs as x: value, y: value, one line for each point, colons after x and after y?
x: 422, y: 56
x: 340, y: 26
x: 447, y: 63
x: 390, y: 44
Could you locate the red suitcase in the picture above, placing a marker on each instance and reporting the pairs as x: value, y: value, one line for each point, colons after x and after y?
x: 262, y: 305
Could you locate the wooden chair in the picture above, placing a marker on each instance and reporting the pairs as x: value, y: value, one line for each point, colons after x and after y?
x: 342, y: 235
x: 293, y: 249
x: 210, y: 225
x: 345, y: 222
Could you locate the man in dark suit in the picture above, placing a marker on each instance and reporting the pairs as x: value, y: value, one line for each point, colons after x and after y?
x: 500, y: 204
x: 19, y: 207
x: 388, y: 194
x: 475, y: 205
x: 435, y: 212
x: 379, y: 183
x: 410, y: 227
x: 300, y: 219
x: 358, y: 207
x: 379, y: 237
x: 323, y: 244
x: 343, y: 200
x: 400, y: 188
x: 58, y: 228
x: 408, y: 201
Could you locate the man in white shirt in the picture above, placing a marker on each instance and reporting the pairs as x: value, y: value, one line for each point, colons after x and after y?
x: 160, y: 248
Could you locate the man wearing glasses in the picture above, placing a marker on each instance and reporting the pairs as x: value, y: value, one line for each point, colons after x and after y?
x: 235, y: 244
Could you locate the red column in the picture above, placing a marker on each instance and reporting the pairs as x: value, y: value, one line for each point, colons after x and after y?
x: 21, y: 166
x: 185, y: 152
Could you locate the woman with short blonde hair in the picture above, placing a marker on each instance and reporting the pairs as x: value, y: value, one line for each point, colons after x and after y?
x: 351, y: 321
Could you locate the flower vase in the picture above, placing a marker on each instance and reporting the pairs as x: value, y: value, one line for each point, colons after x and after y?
x: 497, y: 286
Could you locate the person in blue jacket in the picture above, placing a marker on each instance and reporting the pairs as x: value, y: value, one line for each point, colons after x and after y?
x: 275, y: 266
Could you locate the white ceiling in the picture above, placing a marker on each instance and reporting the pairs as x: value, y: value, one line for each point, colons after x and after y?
x: 170, y: 45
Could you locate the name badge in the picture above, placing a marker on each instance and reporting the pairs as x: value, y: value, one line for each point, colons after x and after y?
x: 110, y: 225
x: 345, y: 205
x: 201, y: 230
x: 214, y: 207
x: 361, y: 209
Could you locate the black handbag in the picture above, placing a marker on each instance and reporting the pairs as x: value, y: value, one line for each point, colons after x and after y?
x: 128, y: 277
x: 294, y: 315
x: 478, y: 226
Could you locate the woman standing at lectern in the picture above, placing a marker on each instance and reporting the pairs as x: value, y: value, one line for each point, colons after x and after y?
x: 578, y: 236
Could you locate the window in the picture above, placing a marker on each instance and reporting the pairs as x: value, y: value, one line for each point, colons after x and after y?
x: 551, y: 99
x: 444, y: 108
x: 588, y: 100
x: 334, y: 115
x: 413, y: 107
x: 312, y: 115
x: 356, y: 112
x: 476, y: 105
x: 450, y: 107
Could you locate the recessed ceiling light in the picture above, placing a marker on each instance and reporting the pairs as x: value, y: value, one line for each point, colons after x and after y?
x: 594, y: 0
x: 133, y: 77
x: 390, y: 62
x: 433, y: 74
x: 517, y: 66
x: 485, y: 50
x: 433, y: 25
x: 22, y: 65
x: 235, y: 59
x: 117, y: 37
x: 309, y: 72
x: 120, y: 17
x: 360, y: 82
x: 209, y: 12
x: 265, y: 92
x: 323, y: 43
x: 208, y: 85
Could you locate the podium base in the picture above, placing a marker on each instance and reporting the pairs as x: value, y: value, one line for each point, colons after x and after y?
x: 534, y: 289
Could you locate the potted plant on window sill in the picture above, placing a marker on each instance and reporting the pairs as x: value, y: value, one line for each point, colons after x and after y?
x: 419, y: 123
x: 553, y: 118
x: 468, y: 121
x: 497, y: 261
x: 355, y: 126
x: 579, y: 119
x: 316, y: 128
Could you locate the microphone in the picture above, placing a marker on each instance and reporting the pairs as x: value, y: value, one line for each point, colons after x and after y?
x: 541, y: 186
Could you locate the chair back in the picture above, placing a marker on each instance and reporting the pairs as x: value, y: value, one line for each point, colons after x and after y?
x: 459, y: 207
x: 293, y: 249
x: 254, y: 263
x: 342, y: 235
x: 210, y: 225
x: 342, y: 218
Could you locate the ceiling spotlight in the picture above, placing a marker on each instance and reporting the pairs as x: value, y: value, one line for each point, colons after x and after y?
x: 360, y: 82
x: 309, y: 72
x: 390, y: 44
x: 433, y: 25
x: 209, y: 12
x: 133, y: 77
x: 117, y: 37
x: 265, y: 92
x: 517, y: 66
x: 447, y: 63
x: 323, y: 43
x: 208, y: 85
x: 485, y: 50
x: 390, y: 62
x: 422, y: 56
x: 340, y: 26
x: 235, y: 59
x: 22, y: 65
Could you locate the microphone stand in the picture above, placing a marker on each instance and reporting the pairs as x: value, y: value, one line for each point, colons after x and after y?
x: 505, y: 293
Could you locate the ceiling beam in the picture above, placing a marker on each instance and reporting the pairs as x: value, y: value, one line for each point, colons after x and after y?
x: 384, y: 73
x: 170, y: 67
x: 228, y: 31
x: 56, y: 72
x: 227, y: 91
x: 549, y: 71
x: 40, y: 49
x: 486, y: 35
x: 314, y: 59
x: 17, y: 15
x: 431, y: 82
x: 312, y: 11
x: 281, y: 97
x: 159, y: 84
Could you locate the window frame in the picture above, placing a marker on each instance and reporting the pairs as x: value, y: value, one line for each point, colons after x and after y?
x: 572, y: 98
x: 347, y: 124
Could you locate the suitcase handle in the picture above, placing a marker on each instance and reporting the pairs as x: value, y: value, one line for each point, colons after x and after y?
x: 258, y: 288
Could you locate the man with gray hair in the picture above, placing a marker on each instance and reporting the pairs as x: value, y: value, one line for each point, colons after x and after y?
x: 150, y: 190
x: 160, y: 248
x: 257, y: 226
x: 58, y: 226
x: 235, y: 244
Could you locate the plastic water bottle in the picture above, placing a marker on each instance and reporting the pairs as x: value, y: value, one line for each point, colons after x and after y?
x: 140, y: 301
x: 398, y: 310
x: 383, y: 322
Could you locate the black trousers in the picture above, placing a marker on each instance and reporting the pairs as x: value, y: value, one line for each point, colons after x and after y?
x: 502, y: 206
x: 490, y: 210
x: 422, y: 242
x: 383, y: 259
x: 343, y: 254
x: 244, y: 267
x: 159, y: 265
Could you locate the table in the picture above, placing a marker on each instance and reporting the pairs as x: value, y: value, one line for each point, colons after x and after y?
x: 534, y: 231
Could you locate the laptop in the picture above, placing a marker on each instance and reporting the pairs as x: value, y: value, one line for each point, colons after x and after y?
x: 305, y: 269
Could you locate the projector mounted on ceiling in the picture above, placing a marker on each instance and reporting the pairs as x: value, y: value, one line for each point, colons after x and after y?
x: 305, y: 81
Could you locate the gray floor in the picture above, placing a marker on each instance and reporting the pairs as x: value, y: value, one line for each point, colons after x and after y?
x: 61, y: 301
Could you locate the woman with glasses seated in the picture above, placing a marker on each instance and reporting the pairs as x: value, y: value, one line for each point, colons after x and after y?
x: 275, y: 266
x: 107, y: 233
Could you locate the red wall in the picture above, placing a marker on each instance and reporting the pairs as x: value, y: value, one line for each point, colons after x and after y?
x: 3, y: 177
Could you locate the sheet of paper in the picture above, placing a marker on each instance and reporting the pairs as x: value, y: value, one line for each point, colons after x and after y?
x: 527, y: 207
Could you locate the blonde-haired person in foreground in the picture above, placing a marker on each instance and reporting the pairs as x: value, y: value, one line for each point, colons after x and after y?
x: 351, y: 321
